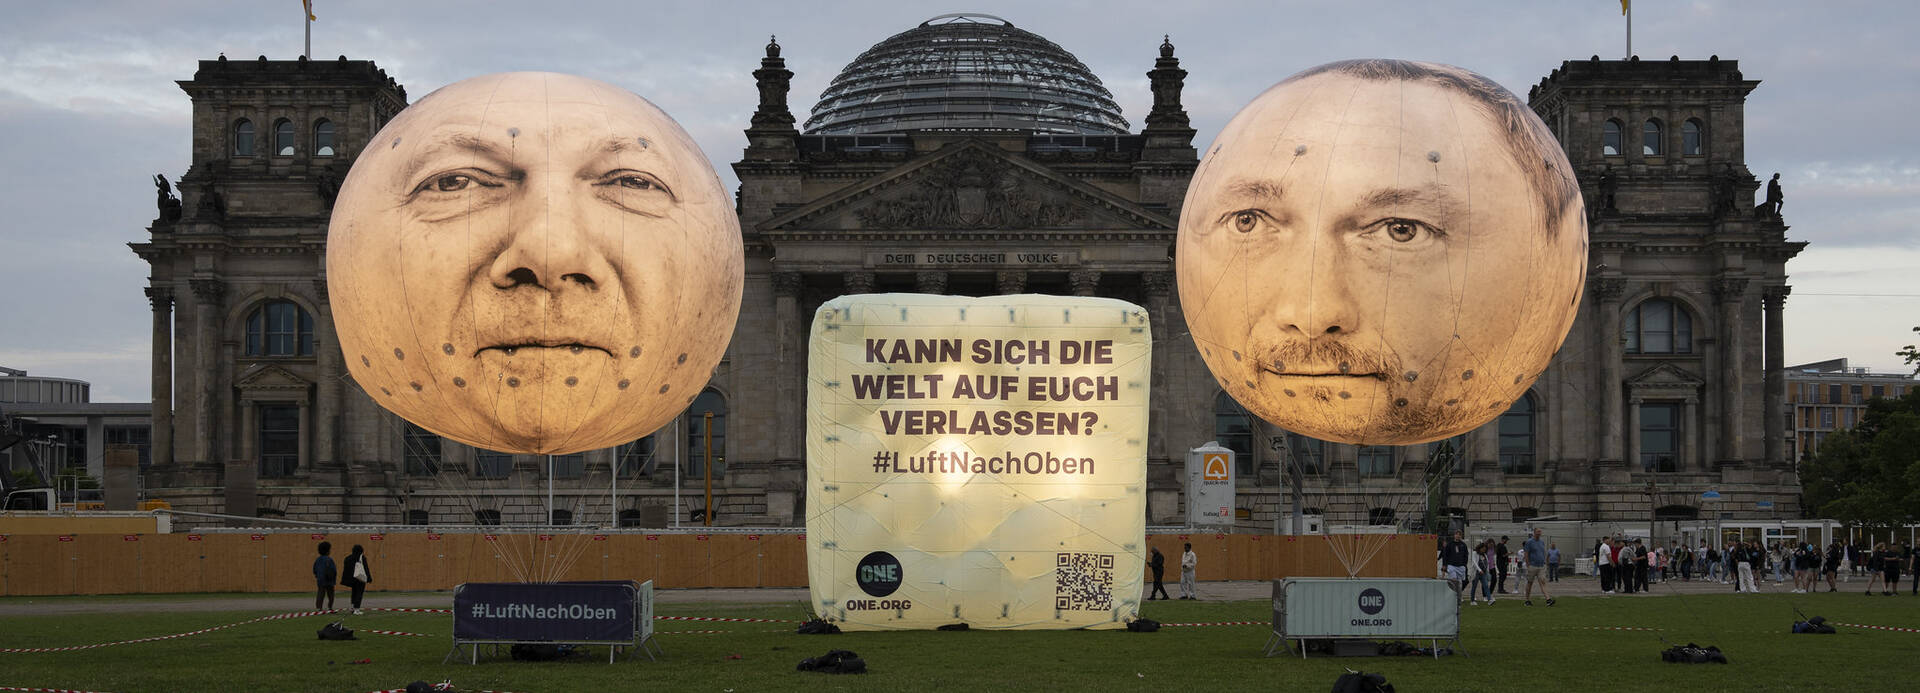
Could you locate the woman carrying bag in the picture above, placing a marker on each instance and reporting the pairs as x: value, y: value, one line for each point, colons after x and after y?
x: 354, y: 574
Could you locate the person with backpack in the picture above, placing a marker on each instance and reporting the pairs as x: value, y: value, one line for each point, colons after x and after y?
x: 325, y: 575
x: 354, y: 574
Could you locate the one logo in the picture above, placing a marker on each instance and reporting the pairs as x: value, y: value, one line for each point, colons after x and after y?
x: 1372, y: 601
x: 1213, y: 466
x: 879, y: 574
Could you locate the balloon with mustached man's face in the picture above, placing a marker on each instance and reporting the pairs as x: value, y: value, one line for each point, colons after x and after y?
x: 534, y: 262
x: 1381, y: 252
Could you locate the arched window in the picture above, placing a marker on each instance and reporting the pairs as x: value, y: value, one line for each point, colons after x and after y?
x: 1380, y: 516
x: 1524, y: 514
x: 708, y: 401
x: 488, y: 464
x: 1659, y: 326
x: 571, y: 466
x: 486, y: 517
x: 1610, y: 138
x: 561, y: 517
x: 629, y: 518
x: 323, y: 138
x: 1455, y: 448
x: 635, y: 458
x: 1676, y: 512
x: 1517, y: 435
x: 243, y: 138
x: 280, y: 328
x: 422, y: 453
x: 1652, y: 138
x: 416, y: 517
x: 1376, y: 460
x: 1234, y: 431
x: 283, y: 137
x: 1692, y: 138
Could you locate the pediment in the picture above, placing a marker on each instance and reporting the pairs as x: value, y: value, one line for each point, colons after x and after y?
x: 1665, y: 376
x: 271, y: 378
x: 970, y: 186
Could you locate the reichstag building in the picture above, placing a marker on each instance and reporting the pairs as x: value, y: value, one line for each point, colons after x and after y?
x: 969, y: 156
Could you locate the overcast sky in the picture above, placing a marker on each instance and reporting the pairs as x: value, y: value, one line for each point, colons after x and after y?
x: 90, y: 111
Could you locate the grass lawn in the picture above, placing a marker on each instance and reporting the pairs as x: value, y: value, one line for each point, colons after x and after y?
x: 1512, y: 648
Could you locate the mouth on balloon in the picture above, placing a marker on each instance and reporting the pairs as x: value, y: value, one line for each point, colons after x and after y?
x: 1327, y: 373
x: 569, y: 345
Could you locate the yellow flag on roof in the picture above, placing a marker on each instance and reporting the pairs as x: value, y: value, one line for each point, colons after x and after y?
x: 308, y: 4
x: 1623, y: 6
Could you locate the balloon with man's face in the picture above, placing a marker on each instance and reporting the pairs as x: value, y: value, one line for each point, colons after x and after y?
x: 534, y: 262
x: 1381, y: 252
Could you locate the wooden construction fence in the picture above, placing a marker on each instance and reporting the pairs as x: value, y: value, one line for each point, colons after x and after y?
x: 282, y: 561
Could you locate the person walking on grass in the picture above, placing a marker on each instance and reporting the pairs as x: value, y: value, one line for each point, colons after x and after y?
x: 1453, y: 555
x: 1553, y: 563
x: 1482, y: 573
x: 325, y: 574
x: 1746, y: 558
x: 1533, y: 569
x: 1835, y: 555
x: 354, y: 574
x: 1188, y: 562
x: 1158, y: 564
x: 1892, y: 564
x: 1500, y: 565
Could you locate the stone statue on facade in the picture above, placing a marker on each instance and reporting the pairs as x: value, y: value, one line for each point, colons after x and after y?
x: 1609, y: 184
x: 1774, y: 197
x: 169, y: 204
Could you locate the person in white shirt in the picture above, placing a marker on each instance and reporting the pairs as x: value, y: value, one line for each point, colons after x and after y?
x: 1603, y: 560
x: 1187, y: 563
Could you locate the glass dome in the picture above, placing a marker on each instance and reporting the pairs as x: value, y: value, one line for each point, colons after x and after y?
x: 966, y: 71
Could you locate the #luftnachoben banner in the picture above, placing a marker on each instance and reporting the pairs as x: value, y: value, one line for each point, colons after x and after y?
x: 977, y: 460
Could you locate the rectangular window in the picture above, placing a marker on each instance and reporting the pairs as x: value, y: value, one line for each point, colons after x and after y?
x: 1376, y: 460
x: 140, y: 437
x: 488, y: 464
x: 635, y: 458
x: 1858, y: 396
x: 1879, y: 391
x: 571, y: 466
x: 1835, y: 393
x: 1826, y: 417
x: 279, y: 439
x: 1849, y: 420
x: 1660, y: 437
x: 422, y: 453
x: 1309, y: 453
x: 1516, y: 444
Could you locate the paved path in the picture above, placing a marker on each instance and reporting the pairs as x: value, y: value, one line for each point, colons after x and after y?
x: 1209, y: 591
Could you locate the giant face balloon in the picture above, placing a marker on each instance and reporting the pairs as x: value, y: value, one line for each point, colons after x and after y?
x: 534, y: 262
x: 1381, y: 252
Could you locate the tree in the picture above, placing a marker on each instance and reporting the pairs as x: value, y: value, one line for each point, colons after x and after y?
x: 1869, y: 475
x: 1911, y: 354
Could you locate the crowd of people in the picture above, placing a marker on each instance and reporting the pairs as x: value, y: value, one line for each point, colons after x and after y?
x: 1629, y: 565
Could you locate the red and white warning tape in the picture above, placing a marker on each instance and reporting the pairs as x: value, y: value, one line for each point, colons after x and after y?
x: 391, y: 632
x: 694, y: 632
x: 383, y: 690
x: 415, y: 611
x: 1219, y: 623
x: 1614, y: 628
x: 1859, y: 625
x: 53, y: 690
x: 70, y: 648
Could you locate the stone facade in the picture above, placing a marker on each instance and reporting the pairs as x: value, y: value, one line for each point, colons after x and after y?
x: 983, y: 212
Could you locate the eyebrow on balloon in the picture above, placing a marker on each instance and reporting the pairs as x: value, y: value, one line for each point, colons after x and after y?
x: 457, y: 141
x: 1256, y: 189
x: 1432, y: 198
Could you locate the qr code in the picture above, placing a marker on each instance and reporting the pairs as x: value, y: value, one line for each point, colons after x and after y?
x: 1083, y: 582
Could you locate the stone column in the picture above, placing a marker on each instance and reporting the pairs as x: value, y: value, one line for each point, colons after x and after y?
x: 1084, y: 282
x: 1694, y: 459
x: 1157, y: 288
x: 326, y: 349
x: 857, y: 282
x: 250, y: 430
x: 1730, y: 294
x: 1633, y: 434
x: 305, y: 462
x: 790, y: 352
x: 1010, y: 282
x: 930, y: 282
x: 162, y: 300
x: 1612, y: 353
x: 206, y: 348
x: 1775, y: 299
